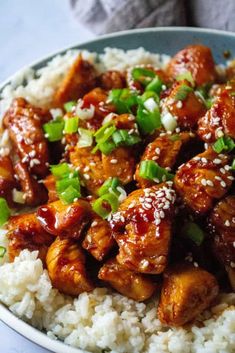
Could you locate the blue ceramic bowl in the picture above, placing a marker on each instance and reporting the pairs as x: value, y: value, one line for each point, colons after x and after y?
x: 165, y: 40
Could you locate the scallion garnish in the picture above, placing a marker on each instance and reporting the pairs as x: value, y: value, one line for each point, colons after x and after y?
x: 69, y: 194
x: 54, y: 130
x: 142, y: 75
x: 155, y: 85
x: 85, y: 138
x: 110, y: 184
x: 224, y: 143
x: 2, y: 251
x: 174, y: 137
x: 61, y: 170
x: 4, y: 211
x: 233, y: 165
x: 152, y: 171
x: 183, y: 92
x: 123, y: 99
x: 148, y: 121
x: 69, y: 106
x: 186, y: 75
x: 103, y: 139
x: 192, y: 231
x: 121, y: 137
x: 71, y: 125
x: 105, y: 204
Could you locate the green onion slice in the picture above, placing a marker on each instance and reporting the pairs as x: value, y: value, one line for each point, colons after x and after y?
x: 142, y: 75
x: 155, y: 85
x: 183, y: 92
x: 4, y: 211
x: 148, y: 121
x: 233, y: 165
x: 71, y: 125
x: 192, y: 231
x: 54, y: 130
x: 86, y: 138
x: 224, y: 143
x: 69, y: 106
x: 121, y: 137
x: 123, y: 99
x: 70, y: 194
x: 152, y: 171
x: 2, y: 251
x: 110, y: 184
x: 105, y: 204
x: 61, y: 170
x: 186, y: 75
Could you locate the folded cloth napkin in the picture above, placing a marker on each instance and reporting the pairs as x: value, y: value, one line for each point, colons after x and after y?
x: 103, y: 16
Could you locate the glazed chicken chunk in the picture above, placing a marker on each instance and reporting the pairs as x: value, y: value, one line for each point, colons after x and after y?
x: 24, y: 123
x: 7, y: 179
x: 98, y: 240
x: 203, y: 179
x: 198, y: 60
x: 64, y: 220
x: 186, y: 292
x: 219, y: 119
x: 66, y: 267
x: 129, y: 283
x: 142, y: 229
x: 25, y: 232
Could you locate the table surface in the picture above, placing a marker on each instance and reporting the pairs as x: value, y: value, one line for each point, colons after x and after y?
x: 30, y: 30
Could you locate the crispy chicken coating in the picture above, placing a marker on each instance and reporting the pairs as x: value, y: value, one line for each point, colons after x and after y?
x: 133, y: 285
x: 80, y: 78
x: 25, y: 232
x: 203, y: 179
x: 24, y: 123
x: 186, y: 292
x: 196, y: 59
x: 64, y: 220
x: 34, y: 193
x: 112, y: 79
x: 222, y: 225
x: 142, y: 229
x: 7, y: 179
x: 187, y: 111
x: 219, y: 119
x: 98, y: 240
x: 50, y: 183
x: 163, y: 150
x: 66, y: 267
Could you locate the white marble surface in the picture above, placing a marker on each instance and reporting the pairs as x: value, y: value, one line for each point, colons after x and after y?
x: 30, y: 29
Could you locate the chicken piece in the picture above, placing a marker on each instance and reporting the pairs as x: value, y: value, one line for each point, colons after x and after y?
x: 186, y: 110
x: 203, y: 179
x: 90, y: 167
x: 111, y: 79
x: 64, y: 220
x: 230, y: 70
x: 80, y: 79
x: 219, y: 119
x: 24, y: 123
x: 133, y: 285
x: 50, y: 183
x: 186, y: 292
x: 34, y: 193
x: 25, y: 232
x: 7, y: 180
x: 98, y: 240
x: 196, y: 59
x: 222, y: 226
x: 119, y: 163
x: 66, y: 267
x: 163, y: 150
x: 142, y: 228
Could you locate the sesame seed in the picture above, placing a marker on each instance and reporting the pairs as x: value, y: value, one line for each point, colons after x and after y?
x: 86, y: 176
x: 217, y: 161
x: 218, y: 177
x: 86, y: 169
x: 157, y: 150
x: 195, y: 264
x: 204, y: 160
x: 230, y: 177
x: 179, y: 104
x: 92, y: 164
x: 227, y: 223
x: 203, y: 182
x: 94, y: 223
x: 227, y: 167
x: 222, y: 170
x: 210, y: 183
x: 113, y: 161
x: 234, y: 244
x: 208, y: 136
x: 223, y: 184
x: 232, y: 264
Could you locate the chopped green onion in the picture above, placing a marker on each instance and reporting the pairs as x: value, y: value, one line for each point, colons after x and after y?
x: 233, y: 165
x: 102, y: 136
x: 61, y: 170
x: 186, y: 75
x: 123, y: 99
x: 54, y: 130
x: 86, y: 138
x: 183, y: 92
x: 71, y: 125
x: 206, y: 101
x: 70, y: 194
x: 174, y: 137
x: 105, y: 204
x: 192, y: 231
x: 146, y: 95
x: 63, y: 184
x: 4, y: 211
x: 148, y: 121
x: 106, y: 147
x: 110, y: 183
x: 142, y: 75
x: 224, y: 143
x: 69, y: 106
x: 122, y: 137
x: 152, y: 171
x: 155, y: 85
x: 2, y: 251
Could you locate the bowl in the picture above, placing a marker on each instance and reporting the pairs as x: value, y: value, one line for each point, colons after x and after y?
x: 166, y: 40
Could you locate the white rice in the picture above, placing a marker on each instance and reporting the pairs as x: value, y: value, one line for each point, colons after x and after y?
x: 101, y: 320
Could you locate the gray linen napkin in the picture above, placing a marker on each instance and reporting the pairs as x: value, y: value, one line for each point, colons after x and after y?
x: 103, y: 16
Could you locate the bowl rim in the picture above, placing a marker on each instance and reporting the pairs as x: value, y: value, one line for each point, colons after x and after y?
x: 6, y: 316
